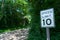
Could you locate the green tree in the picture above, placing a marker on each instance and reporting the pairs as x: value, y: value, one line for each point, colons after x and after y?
x: 38, y: 33
x: 13, y: 13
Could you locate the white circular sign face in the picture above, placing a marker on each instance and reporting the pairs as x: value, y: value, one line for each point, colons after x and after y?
x: 47, y: 18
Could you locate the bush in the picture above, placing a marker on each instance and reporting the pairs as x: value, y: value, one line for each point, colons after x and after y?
x: 13, y: 15
x: 38, y: 33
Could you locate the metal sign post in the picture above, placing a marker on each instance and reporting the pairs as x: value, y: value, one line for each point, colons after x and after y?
x: 47, y: 33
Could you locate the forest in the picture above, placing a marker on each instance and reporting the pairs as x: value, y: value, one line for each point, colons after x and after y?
x: 16, y: 14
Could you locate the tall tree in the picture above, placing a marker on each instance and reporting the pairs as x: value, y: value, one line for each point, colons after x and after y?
x: 13, y: 13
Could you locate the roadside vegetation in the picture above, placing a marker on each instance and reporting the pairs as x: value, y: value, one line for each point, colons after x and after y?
x: 16, y: 14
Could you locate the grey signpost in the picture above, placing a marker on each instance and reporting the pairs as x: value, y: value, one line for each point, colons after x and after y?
x: 47, y: 33
x: 47, y: 20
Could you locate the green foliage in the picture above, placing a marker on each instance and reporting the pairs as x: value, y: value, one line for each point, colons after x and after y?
x: 19, y: 13
x: 13, y: 14
x: 38, y: 33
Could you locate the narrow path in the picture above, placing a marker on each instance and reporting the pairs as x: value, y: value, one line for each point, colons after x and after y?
x: 20, y: 34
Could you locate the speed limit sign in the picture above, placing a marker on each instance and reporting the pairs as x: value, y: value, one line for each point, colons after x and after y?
x: 47, y: 18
